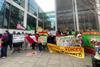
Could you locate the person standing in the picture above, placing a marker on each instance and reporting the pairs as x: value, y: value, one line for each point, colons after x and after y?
x: 40, y: 46
x: 4, y: 45
x: 32, y: 42
x: 25, y: 45
x: 10, y: 37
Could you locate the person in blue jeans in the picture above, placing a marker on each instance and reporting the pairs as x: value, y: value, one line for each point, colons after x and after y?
x: 4, y: 46
x: 40, y: 46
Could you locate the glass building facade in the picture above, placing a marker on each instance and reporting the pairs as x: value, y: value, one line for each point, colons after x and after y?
x: 87, y: 15
x: 31, y: 23
x: 23, y: 12
x: 20, y: 2
x: 32, y: 7
x: 13, y: 16
x: 2, y: 3
x: 45, y: 23
x: 52, y: 18
x: 68, y: 17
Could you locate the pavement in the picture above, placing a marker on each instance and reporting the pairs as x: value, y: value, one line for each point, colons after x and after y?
x: 43, y: 59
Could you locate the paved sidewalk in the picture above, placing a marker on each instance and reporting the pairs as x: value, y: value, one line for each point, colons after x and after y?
x: 44, y: 59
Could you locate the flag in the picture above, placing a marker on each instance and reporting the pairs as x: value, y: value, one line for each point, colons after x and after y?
x: 19, y: 26
x: 29, y: 28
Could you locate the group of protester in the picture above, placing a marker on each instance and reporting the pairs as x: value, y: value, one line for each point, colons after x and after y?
x: 7, y: 40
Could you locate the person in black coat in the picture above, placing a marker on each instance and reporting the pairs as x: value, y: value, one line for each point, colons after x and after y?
x: 10, y: 37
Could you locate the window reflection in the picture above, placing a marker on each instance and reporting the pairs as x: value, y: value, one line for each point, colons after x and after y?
x: 87, y: 16
x: 20, y: 2
x: 1, y: 12
x: 32, y: 7
x: 31, y: 23
x: 16, y: 17
x: 13, y: 16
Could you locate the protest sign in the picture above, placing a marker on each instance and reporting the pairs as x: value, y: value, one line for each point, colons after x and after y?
x: 67, y: 41
x: 18, y: 38
x: 70, y: 50
x: 64, y: 40
x: 43, y: 39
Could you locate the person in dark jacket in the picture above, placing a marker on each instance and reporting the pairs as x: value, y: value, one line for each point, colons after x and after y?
x: 10, y: 37
x: 40, y: 46
x: 49, y: 39
x: 4, y: 45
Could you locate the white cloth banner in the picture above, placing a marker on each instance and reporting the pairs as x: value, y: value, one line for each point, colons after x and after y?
x: 18, y: 38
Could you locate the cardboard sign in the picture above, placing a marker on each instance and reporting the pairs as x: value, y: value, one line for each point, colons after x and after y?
x: 71, y: 50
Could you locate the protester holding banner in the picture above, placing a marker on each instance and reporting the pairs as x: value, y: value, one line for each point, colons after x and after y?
x: 43, y: 39
x: 25, y: 45
x: 32, y: 40
x: 17, y: 42
x: 79, y: 40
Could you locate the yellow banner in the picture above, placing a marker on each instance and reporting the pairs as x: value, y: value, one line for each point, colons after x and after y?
x: 70, y: 50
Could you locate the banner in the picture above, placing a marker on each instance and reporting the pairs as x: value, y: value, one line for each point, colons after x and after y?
x: 70, y: 50
x: 43, y: 39
x: 67, y: 41
x: 90, y: 40
x: 18, y: 38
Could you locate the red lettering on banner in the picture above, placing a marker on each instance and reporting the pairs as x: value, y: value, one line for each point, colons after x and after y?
x: 74, y: 49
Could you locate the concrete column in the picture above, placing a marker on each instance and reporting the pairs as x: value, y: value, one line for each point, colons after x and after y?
x: 98, y: 12
x: 56, y: 17
x: 76, y: 16
x: 37, y: 20
x: 99, y: 22
x: 25, y: 13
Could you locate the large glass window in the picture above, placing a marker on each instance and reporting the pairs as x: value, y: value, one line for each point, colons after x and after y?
x: 65, y: 15
x: 1, y: 12
x: 13, y: 16
x: 20, y: 2
x: 87, y: 16
x: 16, y: 17
x: 32, y: 7
x: 40, y: 24
x: 7, y: 16
x: 31, y: 23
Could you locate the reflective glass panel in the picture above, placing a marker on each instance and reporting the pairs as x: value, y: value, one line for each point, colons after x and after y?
x: 20, y: 2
